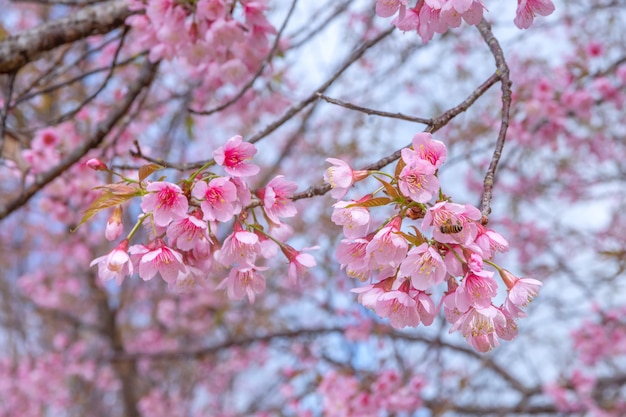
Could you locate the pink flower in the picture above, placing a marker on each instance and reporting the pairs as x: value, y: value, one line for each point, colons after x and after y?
x: 454, y: 223
x: 298, y: 262
x: 240, y: 247
x: 527, y: 9
x: 352, y: 254
x: 368, y: 295
x: 189, y: 233
x: 166, y: 201
x: 521, y: 291
x: 387, y: 8
x: 388, y: 247
x: 341, y: 177
x: 427, y: 149
x: 235, y: 157
x: 478, y: 326
x: 417, y: 180
x: 399, y: 307
x: 490, y: 242
x: 476, y: 291
x: 158, y: 258
x: 218, y: 199
x: 425, y: 307
x: 115, y: 265
x: 276, y: 197
x: 424, y: 266
x: 453, y: 11
x: 355, y: 220
x: 244, y: 281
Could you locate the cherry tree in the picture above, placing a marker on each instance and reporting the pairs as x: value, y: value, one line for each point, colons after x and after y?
x: 341, y: 208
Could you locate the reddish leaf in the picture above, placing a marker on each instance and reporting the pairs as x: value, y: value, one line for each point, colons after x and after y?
x: 146, y: 170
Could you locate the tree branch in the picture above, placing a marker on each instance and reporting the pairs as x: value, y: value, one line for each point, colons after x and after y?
x: 19, y: 50
x: 503, y: 73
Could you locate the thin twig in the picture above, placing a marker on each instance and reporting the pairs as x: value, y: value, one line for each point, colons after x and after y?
x: 256, y: 75
x: 371, y: 112
x: 505, y: 83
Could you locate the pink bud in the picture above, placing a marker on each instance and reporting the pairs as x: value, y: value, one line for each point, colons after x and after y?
x: 97, y: 165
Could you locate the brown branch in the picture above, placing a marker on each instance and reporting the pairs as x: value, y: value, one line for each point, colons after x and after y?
x: 19, y: 50
x: 117, y: 113
x: 256, y: 75
x: 505, y: 83
x: 373, y: 112
x: 4, y: 112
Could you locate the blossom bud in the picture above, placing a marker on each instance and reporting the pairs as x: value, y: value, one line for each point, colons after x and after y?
x: 114, y: 226
x: 97, y: 165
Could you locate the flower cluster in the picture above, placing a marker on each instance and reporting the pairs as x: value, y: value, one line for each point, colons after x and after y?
x: 183, y: 219
x: 403, y: 267
x: 205, y: 35
x: 430, y: 16
x: 345, y: 395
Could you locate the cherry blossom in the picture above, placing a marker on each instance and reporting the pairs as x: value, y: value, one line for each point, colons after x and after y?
x: 235, y: 157
x: 399, y: 307
x: 528, y: 9
x: 341, y: 177
x: 165, y: 201
x: 417, y: 180
x: 218, y: 199
x: 425, y: 267
x: 244, y: 281
x: 189, y: 232
x: 355, y: 220
x: 299, y: 262
x: 276, y: 198
x: 240, y: 247
x: 158, y: 258
x: 116, y: 264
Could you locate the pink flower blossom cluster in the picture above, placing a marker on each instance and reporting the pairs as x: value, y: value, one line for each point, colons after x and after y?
x: 347, y: 396
x: 428, y: 17
x: 183, y: 248
x: 404, y: 266
x: 205, y: 35
x: 603, y: 338
x: 600, y: 343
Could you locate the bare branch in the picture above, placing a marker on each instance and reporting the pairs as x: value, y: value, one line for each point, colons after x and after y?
x: 503, y: 73
x: 375, y: 112
x: 19, y: 50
